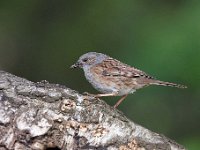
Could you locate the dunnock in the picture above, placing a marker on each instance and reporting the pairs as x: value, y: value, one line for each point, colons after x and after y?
x: 114, y: 78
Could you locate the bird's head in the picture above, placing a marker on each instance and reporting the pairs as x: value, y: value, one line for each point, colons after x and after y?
x: 89, y: 59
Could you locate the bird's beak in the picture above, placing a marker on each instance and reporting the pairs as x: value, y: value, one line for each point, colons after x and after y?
x: 76, y: 65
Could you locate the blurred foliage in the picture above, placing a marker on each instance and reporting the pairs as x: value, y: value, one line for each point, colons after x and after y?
x: 40, y: 39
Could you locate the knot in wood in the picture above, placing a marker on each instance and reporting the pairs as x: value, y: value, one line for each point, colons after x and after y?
x: 67, y: 105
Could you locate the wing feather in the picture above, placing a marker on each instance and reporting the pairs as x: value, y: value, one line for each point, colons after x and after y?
x: 113, y: 67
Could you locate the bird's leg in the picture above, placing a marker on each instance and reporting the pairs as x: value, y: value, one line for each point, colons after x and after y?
x: 106, y: 94
x: 111, y: 94
x: 120, y: 100
x: 100, y: 95
x: 88, y: 94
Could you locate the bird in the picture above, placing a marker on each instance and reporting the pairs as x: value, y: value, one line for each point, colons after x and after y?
x: 111, y: 77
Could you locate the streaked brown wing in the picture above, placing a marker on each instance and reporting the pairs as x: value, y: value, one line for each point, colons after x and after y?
x: 113, y: 67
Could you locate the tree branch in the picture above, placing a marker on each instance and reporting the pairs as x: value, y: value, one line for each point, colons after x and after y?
x: 43, y: 115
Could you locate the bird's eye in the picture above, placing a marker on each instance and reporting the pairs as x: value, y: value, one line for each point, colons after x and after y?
x: 85, y: 59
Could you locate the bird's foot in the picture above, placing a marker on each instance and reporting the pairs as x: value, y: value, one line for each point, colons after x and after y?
x: 89, y: 95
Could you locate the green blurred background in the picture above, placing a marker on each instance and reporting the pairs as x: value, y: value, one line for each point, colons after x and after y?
x: 40, y: 39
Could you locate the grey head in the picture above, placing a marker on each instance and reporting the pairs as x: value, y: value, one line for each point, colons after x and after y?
x: 89, y: 59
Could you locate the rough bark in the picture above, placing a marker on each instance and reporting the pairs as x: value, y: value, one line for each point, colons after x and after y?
x: 43, y: 115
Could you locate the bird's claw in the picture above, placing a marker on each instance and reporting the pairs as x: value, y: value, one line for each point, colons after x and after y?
x: 89, y: 95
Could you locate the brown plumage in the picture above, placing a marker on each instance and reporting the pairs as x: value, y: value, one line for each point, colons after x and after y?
x: 114, y: 78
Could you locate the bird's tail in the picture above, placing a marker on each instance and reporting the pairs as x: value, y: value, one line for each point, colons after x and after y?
x: 158, y: 82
